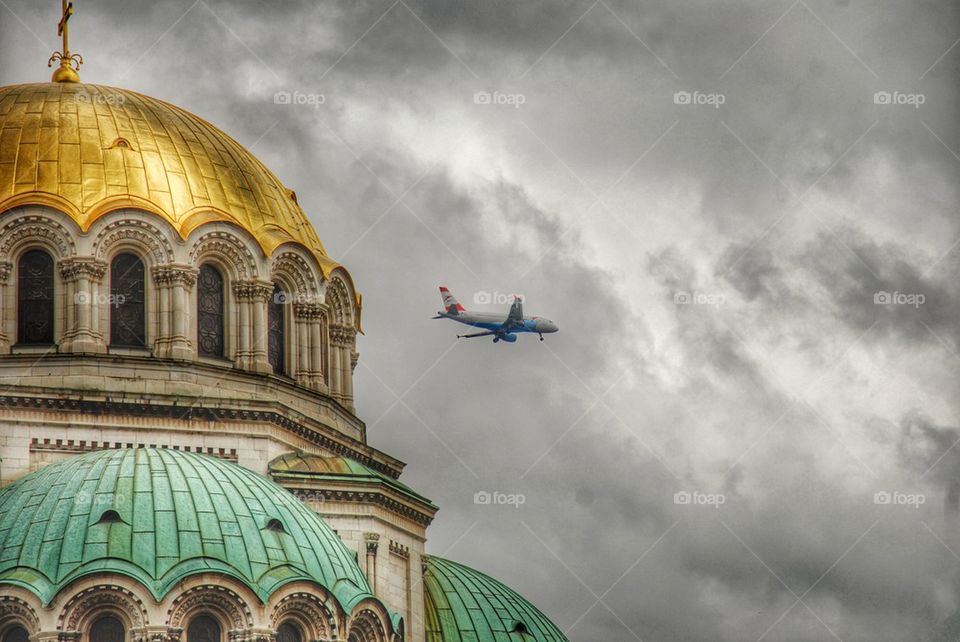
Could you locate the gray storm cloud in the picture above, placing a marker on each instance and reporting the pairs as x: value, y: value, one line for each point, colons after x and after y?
x: 781, y: 384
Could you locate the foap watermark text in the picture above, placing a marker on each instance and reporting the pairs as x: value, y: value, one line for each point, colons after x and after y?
x: 697, y: 498
x: 496, y: 498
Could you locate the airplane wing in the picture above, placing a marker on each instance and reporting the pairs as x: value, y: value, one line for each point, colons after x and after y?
x: 476, y: 334
x: 516, y: 313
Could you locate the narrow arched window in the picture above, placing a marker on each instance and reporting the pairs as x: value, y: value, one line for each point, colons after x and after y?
x: 128, y: 322
x: 288, y: 632
x: 204, y: 628
x: 16, y: 634
x: 210, y: 311
x: 108, y: 629
x: 35, y: 298
x: 276, y: 330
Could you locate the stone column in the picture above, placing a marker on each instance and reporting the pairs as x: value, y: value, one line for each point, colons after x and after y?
x: 342, y: 362
x: 174, y: 282
x: 82, y: 276
x: 336, y: 380
x: 302, y: 370
x: 6, y: 268
x: 372, y: 540
x: 309, y: 317
x: 347, y: 364
x: 253, y: 296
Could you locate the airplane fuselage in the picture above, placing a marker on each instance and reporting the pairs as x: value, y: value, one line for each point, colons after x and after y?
x: 495, y: 322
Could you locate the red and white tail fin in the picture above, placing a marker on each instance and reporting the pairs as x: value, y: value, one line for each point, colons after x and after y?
x: 450, y: 303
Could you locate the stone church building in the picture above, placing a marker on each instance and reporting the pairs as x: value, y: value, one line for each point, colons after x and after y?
x: 181, y: 458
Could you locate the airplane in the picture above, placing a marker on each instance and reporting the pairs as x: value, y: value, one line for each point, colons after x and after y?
x: 494, y: 324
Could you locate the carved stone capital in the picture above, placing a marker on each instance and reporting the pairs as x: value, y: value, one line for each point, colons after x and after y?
x: 309, y: 311
x: 342, y: 336
x: 155, y: 634
x: 372, y: 541
x: 252, y: 635
x: 253, y: 290
x: 175, y: 274
x: 77, y: 266
x: 6, y: 267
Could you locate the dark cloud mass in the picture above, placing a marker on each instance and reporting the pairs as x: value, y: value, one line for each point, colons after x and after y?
x: 758, y: 299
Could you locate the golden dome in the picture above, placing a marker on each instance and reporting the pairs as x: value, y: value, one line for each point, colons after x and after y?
x: 88, y: 150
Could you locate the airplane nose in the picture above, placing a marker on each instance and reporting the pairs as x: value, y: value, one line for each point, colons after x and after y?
x: 547, y: 326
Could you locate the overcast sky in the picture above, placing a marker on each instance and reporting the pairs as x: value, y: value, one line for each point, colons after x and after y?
x: 716, y: 261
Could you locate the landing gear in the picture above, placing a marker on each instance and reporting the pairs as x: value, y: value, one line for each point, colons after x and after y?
x: 541, y: 337
x: 496, y: 339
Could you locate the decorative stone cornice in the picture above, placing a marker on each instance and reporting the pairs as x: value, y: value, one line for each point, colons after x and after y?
x: 175, y: 273
x: 254, y: 290
x: 77, y: 266
x: 360, y: 497
x: 147, y: 409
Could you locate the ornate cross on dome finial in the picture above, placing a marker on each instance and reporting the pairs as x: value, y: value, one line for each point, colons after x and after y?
x: 69, y: 63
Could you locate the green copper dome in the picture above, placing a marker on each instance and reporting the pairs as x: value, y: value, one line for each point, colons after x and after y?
x: 464, y: 605
x: 160, y: 515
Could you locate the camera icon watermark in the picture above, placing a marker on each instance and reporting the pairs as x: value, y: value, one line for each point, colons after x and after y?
x: 299, y: 98
x: 698, y: 98
x: 485, y: 297
x: 496, y: 498
x: 899, y: 99
x: 499, y: 98
x: 697, y: 498
x: 899, y: 298
x: 896, y: 498
x: 682, y: 297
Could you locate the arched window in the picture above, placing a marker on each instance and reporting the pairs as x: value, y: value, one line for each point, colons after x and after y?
x: 108, y: 629
x: 35, y: 298
x: 288, y: 632
x: 16, y: 634
x: 128, y: 322
x: 204, y: 628
x: 276, y: 330
x: 210, y: 311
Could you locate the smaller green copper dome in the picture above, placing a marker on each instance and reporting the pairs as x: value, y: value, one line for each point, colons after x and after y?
x: 158, y: 516
x: 464, y: 605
